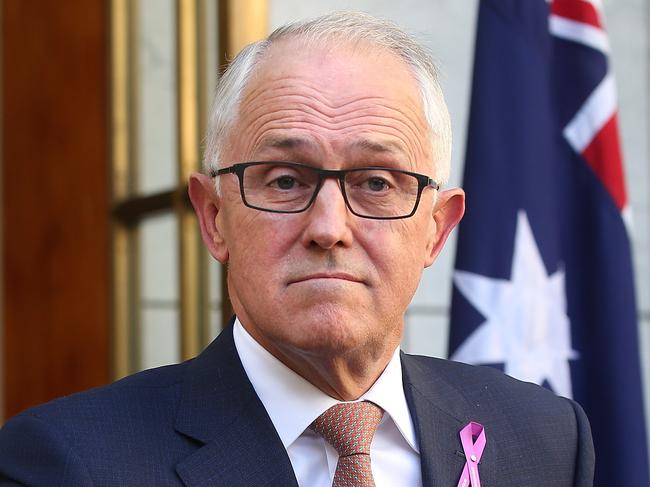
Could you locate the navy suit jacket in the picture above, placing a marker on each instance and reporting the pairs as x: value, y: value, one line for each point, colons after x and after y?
x: 200, y: 423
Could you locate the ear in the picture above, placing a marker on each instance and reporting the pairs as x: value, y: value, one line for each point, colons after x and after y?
x: 207, y: 203
x: 447, y: 212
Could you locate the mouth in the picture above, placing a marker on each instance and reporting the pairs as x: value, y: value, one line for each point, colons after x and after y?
x: 341, y: 276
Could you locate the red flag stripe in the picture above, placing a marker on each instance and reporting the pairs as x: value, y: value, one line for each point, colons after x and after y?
x: 603, y: 154
x: 578, y: 10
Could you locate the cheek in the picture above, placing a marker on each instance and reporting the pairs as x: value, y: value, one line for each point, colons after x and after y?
x: 397, y: 251
x: 267, y: 241
x: 397, y: 242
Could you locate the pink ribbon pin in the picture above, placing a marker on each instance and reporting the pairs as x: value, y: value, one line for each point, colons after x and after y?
x: 473, y: 451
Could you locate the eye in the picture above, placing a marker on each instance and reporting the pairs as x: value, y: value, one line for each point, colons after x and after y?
x: 377, y: 184
x: 285, y: 182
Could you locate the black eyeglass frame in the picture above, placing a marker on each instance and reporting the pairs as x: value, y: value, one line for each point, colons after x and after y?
x: 424, y: 181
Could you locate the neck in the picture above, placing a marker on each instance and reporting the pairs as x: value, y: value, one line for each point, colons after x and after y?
x: 343, y: 376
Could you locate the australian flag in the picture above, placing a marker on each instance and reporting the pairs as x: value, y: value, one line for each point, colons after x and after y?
x: 543, y: 286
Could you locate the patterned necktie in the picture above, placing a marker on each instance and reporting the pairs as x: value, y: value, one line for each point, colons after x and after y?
x: 349, y: 428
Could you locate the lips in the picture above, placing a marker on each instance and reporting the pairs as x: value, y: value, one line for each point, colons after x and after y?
x: 343, y: 276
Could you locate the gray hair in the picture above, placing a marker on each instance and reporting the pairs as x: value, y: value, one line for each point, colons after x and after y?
x: 342, y: 27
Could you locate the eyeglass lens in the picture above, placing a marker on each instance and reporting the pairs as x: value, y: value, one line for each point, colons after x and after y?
x: 369, y: 192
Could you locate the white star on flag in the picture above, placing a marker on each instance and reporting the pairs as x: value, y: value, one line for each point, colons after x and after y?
x: 526, y: 328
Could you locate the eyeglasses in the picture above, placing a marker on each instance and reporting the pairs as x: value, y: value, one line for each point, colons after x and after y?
x: 289, y: 187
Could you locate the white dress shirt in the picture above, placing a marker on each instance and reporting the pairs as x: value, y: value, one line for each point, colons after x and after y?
x: 293, y: 403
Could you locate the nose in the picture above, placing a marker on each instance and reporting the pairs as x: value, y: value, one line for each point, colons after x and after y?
x: 328, y: 218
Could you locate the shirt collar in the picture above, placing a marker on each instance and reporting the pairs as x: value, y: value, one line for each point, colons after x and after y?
x: 274, y: 382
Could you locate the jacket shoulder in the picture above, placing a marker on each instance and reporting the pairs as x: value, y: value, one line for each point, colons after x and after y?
x: 475, y: 381
x: 159, y: 384
x: 517, y: 416
x: 117, y: 424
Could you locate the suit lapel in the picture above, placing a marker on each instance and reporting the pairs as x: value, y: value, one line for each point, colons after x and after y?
x: 219, y: 409
x: 439, y: 412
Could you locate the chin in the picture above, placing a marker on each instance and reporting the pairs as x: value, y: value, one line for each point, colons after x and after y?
x: 330, y: 332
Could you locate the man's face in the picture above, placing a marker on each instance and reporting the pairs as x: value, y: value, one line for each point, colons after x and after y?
x: 325, y: 282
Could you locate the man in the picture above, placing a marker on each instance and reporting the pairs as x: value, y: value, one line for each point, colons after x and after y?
x: 327, y: 144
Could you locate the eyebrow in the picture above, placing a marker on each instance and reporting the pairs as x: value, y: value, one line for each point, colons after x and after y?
x: 389, y: 147
x: 285, y: 143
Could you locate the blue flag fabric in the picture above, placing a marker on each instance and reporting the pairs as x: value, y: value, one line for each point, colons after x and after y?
x: 543, y: 286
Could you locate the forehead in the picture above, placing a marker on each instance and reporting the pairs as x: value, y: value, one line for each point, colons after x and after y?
x: 332, y: 58
x: 333, y: 96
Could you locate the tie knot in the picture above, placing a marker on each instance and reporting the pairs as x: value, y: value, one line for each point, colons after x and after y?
x: 349, y: 427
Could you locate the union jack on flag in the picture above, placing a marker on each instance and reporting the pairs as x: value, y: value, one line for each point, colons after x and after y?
x: 543, y: 286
